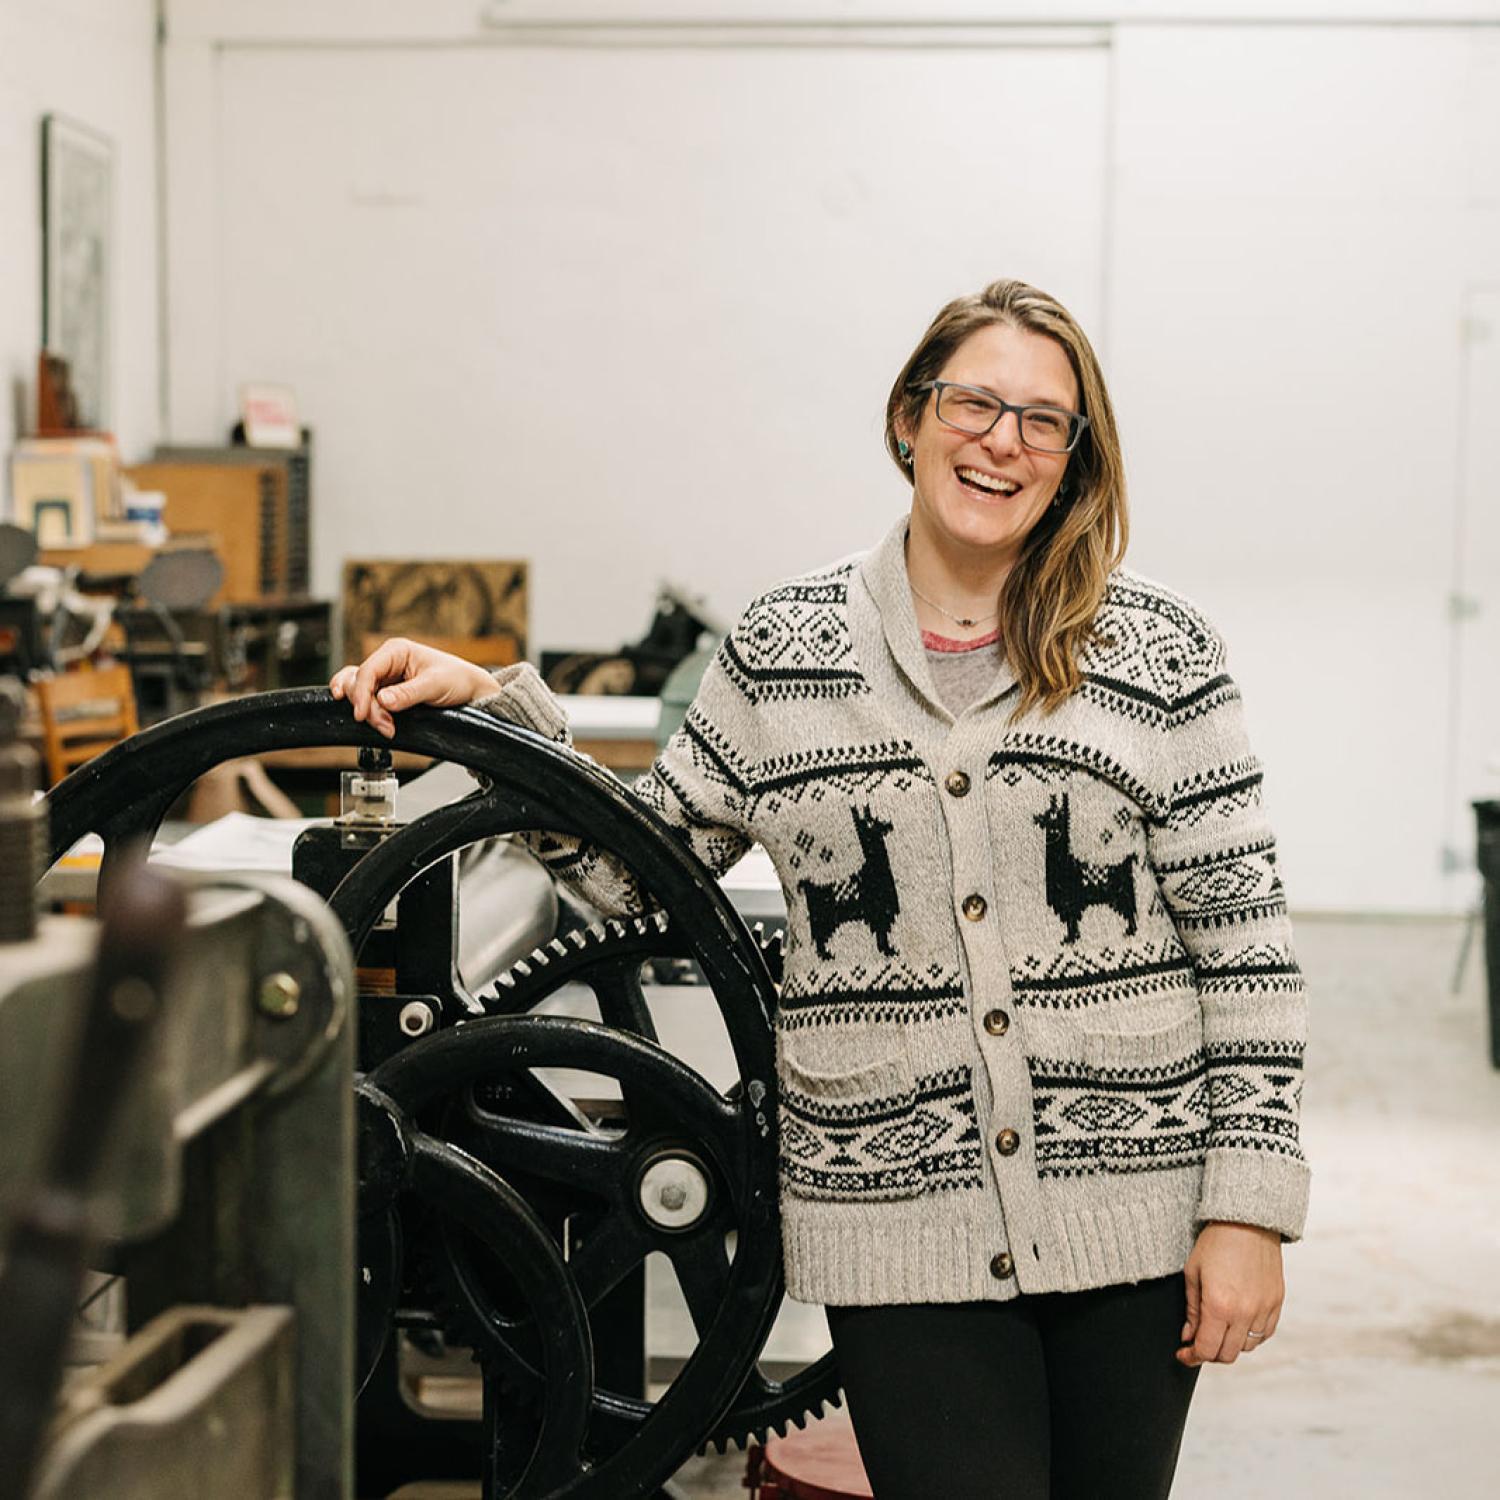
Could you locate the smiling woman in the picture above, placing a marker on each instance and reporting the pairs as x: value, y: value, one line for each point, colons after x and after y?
x: 1040, y: 1030
x: 976, y: 497
x: 1003, y: 424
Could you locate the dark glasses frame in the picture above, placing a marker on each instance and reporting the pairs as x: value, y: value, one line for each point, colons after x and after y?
x: 1076, y: 419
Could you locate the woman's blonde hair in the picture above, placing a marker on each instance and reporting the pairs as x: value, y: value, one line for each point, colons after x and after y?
x: 1050, y: 598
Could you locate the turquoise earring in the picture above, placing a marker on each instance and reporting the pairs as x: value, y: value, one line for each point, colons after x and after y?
x: 904, y: 449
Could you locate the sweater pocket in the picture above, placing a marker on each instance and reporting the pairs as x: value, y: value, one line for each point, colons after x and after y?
x: 850, y: 1135
x: 1149, y: 1096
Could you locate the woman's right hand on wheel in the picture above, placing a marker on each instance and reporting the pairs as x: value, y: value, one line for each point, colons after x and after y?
x: 400, y: 673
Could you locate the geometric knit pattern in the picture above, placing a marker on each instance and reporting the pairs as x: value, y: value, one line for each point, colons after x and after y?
x: 1067, y: 979
x: 795, y: 645
x: 919, y: 1137
x: 1124, y: 1117
x: 1155, y: 664
x: 1039, y: 991
x: 884, y: 992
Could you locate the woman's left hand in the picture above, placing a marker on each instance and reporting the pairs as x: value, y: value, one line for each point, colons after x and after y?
x: 1234, y: 1287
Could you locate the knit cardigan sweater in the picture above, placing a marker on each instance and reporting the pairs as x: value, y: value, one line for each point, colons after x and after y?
x: 1040, y: 1017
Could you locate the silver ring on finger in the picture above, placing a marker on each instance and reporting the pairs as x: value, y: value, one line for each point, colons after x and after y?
x: 1252, y: 1334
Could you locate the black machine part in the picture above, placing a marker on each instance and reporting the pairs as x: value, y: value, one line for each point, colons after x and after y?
x: 608, y: 958
x: 184, y: 578
x: 18, y: 549
x: 51, y: 1232
x: 227, y: 1177
x: 455, y: 1158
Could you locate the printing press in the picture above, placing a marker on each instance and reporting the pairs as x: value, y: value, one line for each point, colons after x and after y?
x: 337, y: 1136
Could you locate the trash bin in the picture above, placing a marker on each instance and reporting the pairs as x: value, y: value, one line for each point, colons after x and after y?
x: 821, y: 1463
x: 1487, y: 817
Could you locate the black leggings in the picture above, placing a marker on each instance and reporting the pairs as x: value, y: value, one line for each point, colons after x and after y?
x: 1055, y: 1396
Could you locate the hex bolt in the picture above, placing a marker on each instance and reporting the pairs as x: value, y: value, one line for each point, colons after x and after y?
x: 673, y: 1191
x: 279, y: 994
x: 415, y: 1018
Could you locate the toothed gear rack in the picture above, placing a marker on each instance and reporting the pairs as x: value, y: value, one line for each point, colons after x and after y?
x: 493, y: 1210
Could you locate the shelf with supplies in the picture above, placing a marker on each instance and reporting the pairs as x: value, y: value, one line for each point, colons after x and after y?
x: 250, y: 507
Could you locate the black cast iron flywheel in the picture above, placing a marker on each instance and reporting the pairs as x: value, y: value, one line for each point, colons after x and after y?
x: 526, y: 782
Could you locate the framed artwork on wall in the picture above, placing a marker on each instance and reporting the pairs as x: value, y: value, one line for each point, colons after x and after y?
x: 59, y: 488
x: 453, y: 599
x: 78, y: 259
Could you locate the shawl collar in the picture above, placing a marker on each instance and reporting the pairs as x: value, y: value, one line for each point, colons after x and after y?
x: 884, y: 573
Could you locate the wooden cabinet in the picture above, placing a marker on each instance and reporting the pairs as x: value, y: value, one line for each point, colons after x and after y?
x: 240, y: 509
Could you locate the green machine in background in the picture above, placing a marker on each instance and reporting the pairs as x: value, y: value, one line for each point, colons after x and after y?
x: 679, y: 690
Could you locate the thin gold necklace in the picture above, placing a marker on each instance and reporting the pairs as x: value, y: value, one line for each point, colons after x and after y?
x: 957, y: 619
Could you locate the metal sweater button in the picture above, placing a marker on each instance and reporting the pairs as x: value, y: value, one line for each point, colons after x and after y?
x: 974, y: 907
x: 1002, y: 1266
x: 1007, y: 1143
x: 996, y: 1022
x: 957, y: 783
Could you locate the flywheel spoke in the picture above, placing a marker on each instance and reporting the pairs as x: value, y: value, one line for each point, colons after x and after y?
x: 622, y: 999
x: 576, y: 1158
x: 607, y: 1252
x: 458, y: 1185
x: 701, y: 1262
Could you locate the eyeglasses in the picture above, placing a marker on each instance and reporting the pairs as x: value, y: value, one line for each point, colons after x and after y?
x: 1048, y: 429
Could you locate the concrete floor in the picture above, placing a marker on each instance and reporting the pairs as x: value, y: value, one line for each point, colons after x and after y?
x: 1383, y: 1380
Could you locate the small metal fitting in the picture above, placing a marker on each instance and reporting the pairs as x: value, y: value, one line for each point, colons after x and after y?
x: 673, y: 1191
x: 415, y: 1018
x: 279, y: 995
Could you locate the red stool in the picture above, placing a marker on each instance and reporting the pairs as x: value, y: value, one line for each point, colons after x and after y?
x: 820, y: 1463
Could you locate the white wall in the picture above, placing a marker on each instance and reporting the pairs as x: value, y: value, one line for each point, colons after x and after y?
x: 1272, y: 230
x: 627, y: 321
x: 1299, y: 218
x: 91, y: 60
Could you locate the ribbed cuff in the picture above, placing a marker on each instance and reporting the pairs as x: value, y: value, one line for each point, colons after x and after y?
x: 521, y: 697
x: 1255, y: 1187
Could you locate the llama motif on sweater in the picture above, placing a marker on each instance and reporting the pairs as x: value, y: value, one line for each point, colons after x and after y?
x: 868, y: 896
x: 1040, y: 1015
x: 1074, y: 885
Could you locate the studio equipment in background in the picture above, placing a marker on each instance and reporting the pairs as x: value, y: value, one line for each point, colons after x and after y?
x: 172, y: 583
x: 676, y: 631
x: 244, y: 507
x: 21, y: 645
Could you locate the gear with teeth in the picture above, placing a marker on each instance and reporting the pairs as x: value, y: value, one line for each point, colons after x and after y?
x: 652, y: 937
x: 472, y: 1299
